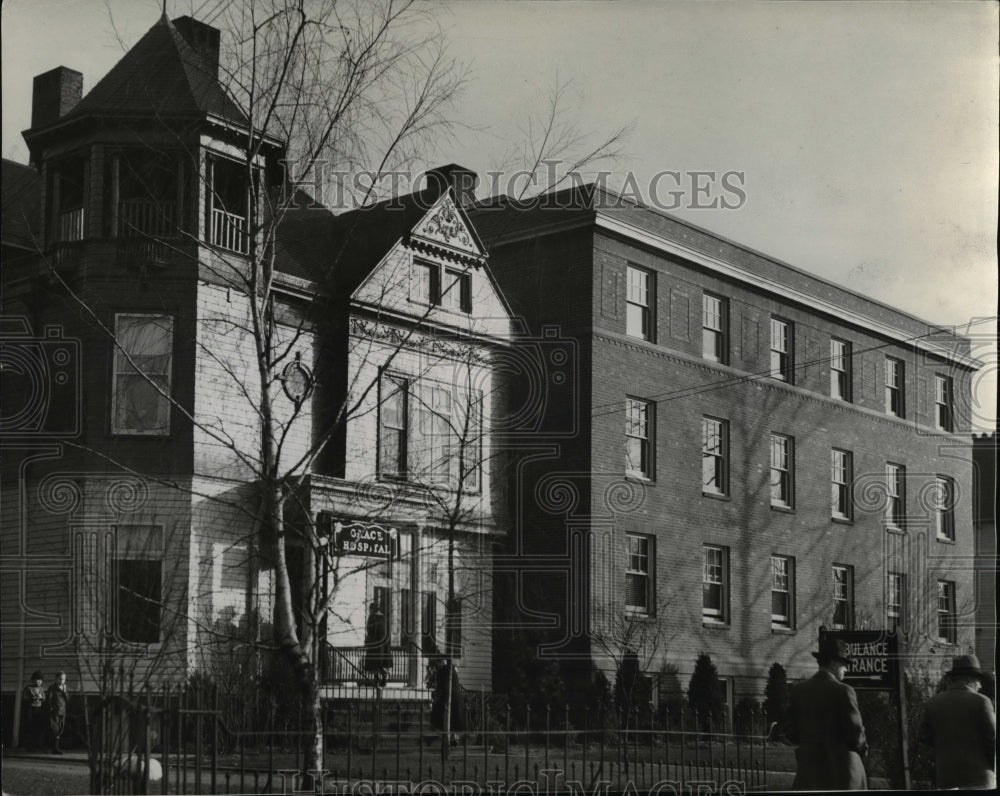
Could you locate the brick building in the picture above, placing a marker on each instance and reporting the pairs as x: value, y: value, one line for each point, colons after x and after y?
x: 750, y: 452
x: 984, y: 457
x: 131, y: 464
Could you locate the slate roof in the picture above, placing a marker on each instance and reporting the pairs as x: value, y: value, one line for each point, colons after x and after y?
x: 342, y: 250
x: 20, y: 187
x: 162, y: 76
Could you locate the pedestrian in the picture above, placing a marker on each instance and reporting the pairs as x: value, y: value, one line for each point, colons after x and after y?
x: 960, y: 725
x: 57, y: 698
x: 33, y: 703
x: 825, y: 723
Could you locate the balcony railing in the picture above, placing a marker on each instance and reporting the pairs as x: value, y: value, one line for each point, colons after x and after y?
x: 70, y: 225
x: 346, y: 664
x: 229, y: 231
x: 146, y: 218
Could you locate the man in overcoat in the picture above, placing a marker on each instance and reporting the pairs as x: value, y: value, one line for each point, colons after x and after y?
x: 825, y: 723
x: 960, y: 724
x: 57, y: 698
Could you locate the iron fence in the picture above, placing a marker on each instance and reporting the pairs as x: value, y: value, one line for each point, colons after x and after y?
x: 186, y: 739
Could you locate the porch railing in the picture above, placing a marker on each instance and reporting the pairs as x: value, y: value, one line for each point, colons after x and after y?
x: 229, y: 231
x: 346, y: 664
x: 71, y: 225
x: 146, y: 218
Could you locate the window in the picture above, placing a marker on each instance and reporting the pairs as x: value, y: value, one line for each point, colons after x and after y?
x: 782, y: 592
x: 944, y: 507
x: 943, y: 414
x: 428, y: 623
x: 453, y: 628
x: 139, y: 575
x: 392, y: 435
x: 782, y: 347
x: 426, y: 283
x: 895, y: 400
x: 840, y: 370
x: 946, y: 614
x: 639, y: 437
x: 841, y: 478
x: 457, y: 292
x: 782, y: 471
x: 427, y: 434
x: 895, y: 486
x: 843, y: 597
x: 142, y: 365
x: 714, y: 456
x: 894, y: 601
x: 714, y: 327
x: 715, y: 585
x: 638, y: 304
x: 639, y: 573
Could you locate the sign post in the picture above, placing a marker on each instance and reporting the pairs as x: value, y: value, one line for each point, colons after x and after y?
x: 875, y: 666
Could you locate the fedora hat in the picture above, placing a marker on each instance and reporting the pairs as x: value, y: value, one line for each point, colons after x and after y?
x: 833, y: 649
x: 967, y: 665
x: 37, y: 675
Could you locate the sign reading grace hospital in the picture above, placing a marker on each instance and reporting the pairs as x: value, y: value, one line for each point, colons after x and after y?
x: 874, y: 658
x: 358, y: 538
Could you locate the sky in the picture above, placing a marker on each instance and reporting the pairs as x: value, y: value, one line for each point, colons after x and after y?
x: 866, y: 133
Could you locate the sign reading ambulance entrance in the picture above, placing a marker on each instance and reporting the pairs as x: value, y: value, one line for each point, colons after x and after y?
x: 874, y: 658
x: 358, y: 538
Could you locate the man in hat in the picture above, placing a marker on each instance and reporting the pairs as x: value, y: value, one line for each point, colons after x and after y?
x: 35, y: 714
x: 961, y: 726
x: 57, y: 698
x: 825, y: 723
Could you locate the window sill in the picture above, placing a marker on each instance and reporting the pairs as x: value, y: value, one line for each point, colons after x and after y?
x: 945, y: 540
x: 842, y: 520
x: 708, y: 624
x: 642, y: 479
x: 780, y: 630
x: 139, y: 435
x: 715, y: 495
x: 782, y: 509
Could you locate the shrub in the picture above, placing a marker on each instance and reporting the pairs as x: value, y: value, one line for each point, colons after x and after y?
x: 776, y: 695
x: 633, y: 692
x: 705, y: 691
x: 746, y: 716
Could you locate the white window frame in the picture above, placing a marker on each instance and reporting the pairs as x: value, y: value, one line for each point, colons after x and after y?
x: 120, y: 360
x: 843, y: 594
x: 714, y: 328
x: 456, y: 291
x: 639, y: 287
x: 782, y: 452
x: 640, y: 426
x: 714, y: 455
x: 640, y: 563
x: 947, y: 613
x: 895, y: 488
x: 944, y: 406
x: 715, y: 575
x: 944, y: 509
x: 840, y: 370
x: 782, y: 350
x: 401, y: 429
x: 895, y: 387
x: 783, y: 582
x: 841, y: 483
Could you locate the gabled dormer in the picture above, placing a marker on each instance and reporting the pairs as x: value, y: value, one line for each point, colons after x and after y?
x: 153, y: 154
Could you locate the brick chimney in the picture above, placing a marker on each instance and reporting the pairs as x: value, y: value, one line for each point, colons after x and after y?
x: 54, y: 94
x: 204, y: 39
x: 461, y: 180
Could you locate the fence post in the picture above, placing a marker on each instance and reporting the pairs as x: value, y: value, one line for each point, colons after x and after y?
x: 527, y: 737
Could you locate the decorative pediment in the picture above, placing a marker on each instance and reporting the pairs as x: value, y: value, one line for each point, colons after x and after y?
x: 445, y: 225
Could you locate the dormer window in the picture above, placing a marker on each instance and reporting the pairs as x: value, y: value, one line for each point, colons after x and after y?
x: 68, y: 191
x: 229, y: 203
